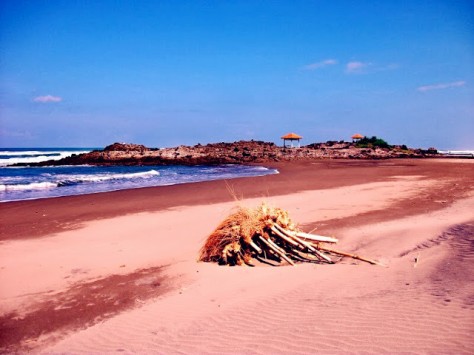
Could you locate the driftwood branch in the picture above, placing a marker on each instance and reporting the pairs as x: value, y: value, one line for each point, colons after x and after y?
x: 267, y: 234
x: 322, y: 256
x: 276, y: 250
x: 255, y: 247
x: 316, y: 238
x: 283, y: 236
x: 353, y: 256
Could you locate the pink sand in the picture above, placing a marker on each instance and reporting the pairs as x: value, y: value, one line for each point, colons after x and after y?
x: 349, y: 307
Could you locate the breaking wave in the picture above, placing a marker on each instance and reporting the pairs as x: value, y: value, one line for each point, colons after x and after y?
x: 75, y: 180
x: 23, y: 183
x: 24, y: 156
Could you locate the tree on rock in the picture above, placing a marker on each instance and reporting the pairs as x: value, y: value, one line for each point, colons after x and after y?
x: 372, y: 142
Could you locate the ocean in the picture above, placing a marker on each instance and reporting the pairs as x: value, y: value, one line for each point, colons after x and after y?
x: 458, y: 153
x: 26, y: 183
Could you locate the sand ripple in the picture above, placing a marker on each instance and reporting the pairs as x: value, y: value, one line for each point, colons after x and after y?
x: 397, y: 312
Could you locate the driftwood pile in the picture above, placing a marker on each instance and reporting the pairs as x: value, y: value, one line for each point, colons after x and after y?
x: 268, y: 235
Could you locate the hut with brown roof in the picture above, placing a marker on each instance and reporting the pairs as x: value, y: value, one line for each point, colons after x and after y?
x: 291, y: 137
x: 356, y: 137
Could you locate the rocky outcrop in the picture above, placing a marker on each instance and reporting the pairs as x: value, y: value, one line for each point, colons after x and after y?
x: 210, y: 154
x: 231, y: 153
x: 125, y: 147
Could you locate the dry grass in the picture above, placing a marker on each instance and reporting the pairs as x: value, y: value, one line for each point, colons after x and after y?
x: 231, y: 242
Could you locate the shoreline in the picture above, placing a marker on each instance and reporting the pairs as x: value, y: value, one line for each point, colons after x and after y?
x: 36, y: 183
x: 118, y: 272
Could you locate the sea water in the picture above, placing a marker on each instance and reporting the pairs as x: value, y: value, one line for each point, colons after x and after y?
x: 460, y: 153
x: 24, y: 183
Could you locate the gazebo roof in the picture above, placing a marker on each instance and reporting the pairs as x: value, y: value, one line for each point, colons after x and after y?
x: 291, y: 136
x: 357, y: 136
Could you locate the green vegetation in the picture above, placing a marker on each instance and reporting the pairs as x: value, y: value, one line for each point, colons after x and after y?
x: 372, y: 142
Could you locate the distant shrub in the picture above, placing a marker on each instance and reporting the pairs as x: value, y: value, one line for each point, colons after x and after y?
x: 372, y: 142
x: 429, y: 151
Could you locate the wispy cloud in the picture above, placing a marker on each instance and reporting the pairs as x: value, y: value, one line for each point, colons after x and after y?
x: 321, y: 64
x: 441, y: 86
x: 47, y: 98
x: 356, y: 67
x: 391, y: 66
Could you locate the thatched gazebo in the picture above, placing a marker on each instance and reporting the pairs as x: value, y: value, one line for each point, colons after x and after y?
x: 291, y: 137
x: 356, y: 137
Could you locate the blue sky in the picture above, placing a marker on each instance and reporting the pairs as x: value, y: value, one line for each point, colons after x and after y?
x: 164, y: 73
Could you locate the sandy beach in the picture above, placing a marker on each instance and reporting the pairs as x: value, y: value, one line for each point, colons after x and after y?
x: 117, y: 272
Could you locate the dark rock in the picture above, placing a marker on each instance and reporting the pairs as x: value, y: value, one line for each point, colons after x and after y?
x: 125, y: 147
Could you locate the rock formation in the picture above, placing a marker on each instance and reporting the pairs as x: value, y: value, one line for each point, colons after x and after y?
x: 240, y: 152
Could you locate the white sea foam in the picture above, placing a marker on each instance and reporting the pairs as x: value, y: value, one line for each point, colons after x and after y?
x: 30, y: 186
x: 466, y: 153
x: 21, y: 152
x: 10, y: 157
x: 262, y: 168
x: 75, y: 179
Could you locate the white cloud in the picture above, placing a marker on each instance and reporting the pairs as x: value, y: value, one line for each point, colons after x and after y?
x: 47, y: 98
x: 356, y: 67
x: 391, y: 66
x: 441, y: 86
x: 321, y: 64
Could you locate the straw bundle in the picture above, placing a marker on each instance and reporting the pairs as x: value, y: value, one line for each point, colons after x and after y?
x: 266, y: 234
